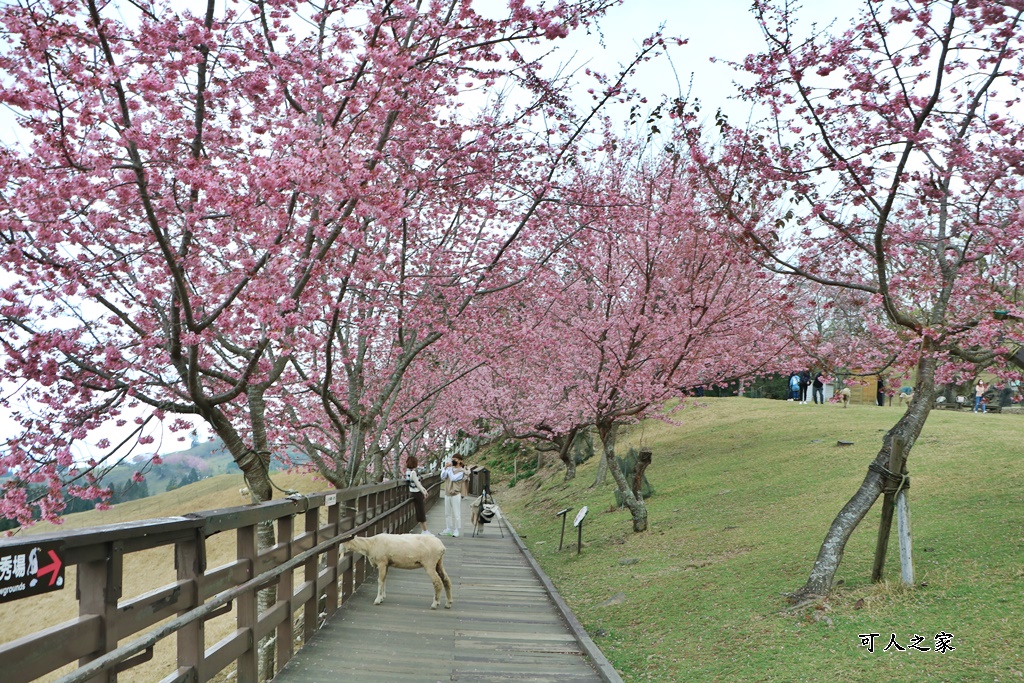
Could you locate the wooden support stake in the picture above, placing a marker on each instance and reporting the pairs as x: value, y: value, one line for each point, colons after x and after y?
x: 896, y: 458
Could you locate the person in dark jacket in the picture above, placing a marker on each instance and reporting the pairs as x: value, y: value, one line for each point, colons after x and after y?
x: 818, y: 389
x: 805, y: 381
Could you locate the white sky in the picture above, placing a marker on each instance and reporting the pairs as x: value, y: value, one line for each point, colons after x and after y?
x: 725, y: 29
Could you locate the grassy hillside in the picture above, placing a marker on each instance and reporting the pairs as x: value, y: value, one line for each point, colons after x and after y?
x: 745, y: 490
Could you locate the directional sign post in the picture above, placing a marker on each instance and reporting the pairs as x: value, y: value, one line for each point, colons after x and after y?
x: 579, y: 526
x: 30, y: 569
x: 562, y: 537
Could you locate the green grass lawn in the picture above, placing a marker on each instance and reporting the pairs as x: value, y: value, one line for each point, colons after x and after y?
x: 745, y: 490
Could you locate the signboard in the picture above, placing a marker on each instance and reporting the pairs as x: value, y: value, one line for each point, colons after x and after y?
x: 579, y: 517
x: 330, y: 499
x: 30, y: 569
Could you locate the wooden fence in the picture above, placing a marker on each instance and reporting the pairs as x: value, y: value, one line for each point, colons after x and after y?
x: 303, y: 541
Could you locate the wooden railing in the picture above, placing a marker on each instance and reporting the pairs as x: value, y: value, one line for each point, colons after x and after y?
x: 309, y: 530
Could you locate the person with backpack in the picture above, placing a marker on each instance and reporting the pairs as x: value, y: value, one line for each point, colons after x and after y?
x: 805, y: 381
x: 418, y: 493
x: 794, y: 387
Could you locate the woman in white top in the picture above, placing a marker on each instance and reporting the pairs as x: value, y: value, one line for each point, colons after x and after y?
x: 454, y: 477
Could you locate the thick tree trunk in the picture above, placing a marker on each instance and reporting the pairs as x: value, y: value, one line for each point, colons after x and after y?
x: 570, y: 467
x: 566, y: 455
x: 642, y: 462
x: 265, y: 537
x: 635, y: 504
x: 357, y: 445
x: 602, y: 471
x: 908, y: 428
x: 377, y: 458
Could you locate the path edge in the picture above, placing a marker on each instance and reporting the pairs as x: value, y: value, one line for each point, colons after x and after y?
x: 597, y: 659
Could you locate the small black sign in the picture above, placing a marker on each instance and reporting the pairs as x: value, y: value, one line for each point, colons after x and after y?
x: 30, y: 569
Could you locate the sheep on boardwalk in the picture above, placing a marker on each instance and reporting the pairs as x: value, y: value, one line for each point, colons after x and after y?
x: 404, y: 551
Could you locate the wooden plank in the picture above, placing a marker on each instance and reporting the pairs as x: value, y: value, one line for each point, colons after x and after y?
x: 33, y: 656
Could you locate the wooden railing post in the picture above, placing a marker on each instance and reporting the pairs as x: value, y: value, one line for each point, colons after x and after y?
x: 376, y: 509
x: 98, y: 590
x: 347, y: 522
x: 389, y: 502
x: 310, y: 617
x: 248, y: 663
x: 190, y: 563
x: 360, y: 561
x: 333, y: 517
x: 285, y: 590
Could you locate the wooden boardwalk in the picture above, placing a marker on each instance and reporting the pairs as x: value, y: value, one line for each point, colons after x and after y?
x: 504, y: 624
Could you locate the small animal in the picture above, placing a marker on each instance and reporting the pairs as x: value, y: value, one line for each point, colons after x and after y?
x: 404, y: 551
x: 844, y: 396
x: 905, y: 398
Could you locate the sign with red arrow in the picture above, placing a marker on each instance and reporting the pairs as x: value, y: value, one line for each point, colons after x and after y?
x: 30, y: 569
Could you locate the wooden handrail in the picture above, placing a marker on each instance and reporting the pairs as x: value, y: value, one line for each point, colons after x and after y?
x: 198, y: 594
x: 109, y: 660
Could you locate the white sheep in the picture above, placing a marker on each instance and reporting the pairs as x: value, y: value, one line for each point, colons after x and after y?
x: 404, y: 551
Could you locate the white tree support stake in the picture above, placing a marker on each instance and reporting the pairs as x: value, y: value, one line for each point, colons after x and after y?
x: 903, y: 532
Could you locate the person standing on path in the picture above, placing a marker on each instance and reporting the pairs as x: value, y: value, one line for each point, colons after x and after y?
x: 454, y: 478
x: 418, y: 493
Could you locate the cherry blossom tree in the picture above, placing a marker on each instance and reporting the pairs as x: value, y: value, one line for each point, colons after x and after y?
x: 889, y: 164
x: 198, y: 191
x: 651, y: 299
x: 479, y: 221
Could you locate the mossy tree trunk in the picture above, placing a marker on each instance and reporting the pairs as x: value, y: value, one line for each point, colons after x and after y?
x: 636, y: 505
